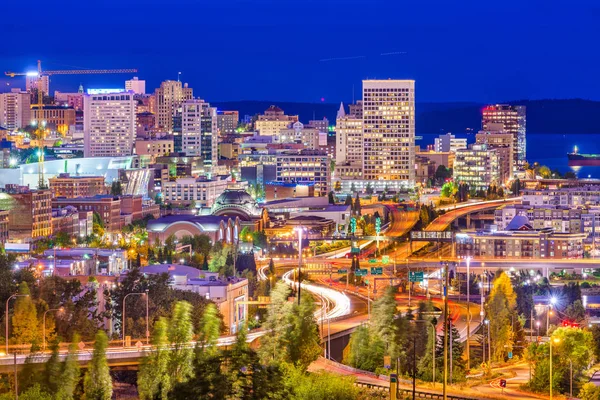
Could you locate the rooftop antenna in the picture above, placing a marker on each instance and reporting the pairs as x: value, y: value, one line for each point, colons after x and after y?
x: 353, y: 93
x: 178, y: 75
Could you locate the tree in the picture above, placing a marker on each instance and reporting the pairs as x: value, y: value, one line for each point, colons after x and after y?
x: 97, y: 383
x: 575, y: 312
x: 570, y: 175
x: 441, y: 174
x: 352, y: 187
x: 273, y: 349
x: 369, y: 189
x: 70, y: 373
x: 319, y: 386
x: 331, y: 197
x: 365, y: 350
x: 348, y: 201
x: 501, y: 307
x: 589, y: 391
x: 500, y: 192
x: 303, y: 341
x: 337, y: 186
x: 24, y: 320
x: 515, y: 187
x: 180, y: 334
x: 116, y: 189
x: 154, y: 381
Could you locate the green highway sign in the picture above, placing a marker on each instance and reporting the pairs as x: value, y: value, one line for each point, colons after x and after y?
x: 385, y: 259
x: 355, y: 250
x: 373, y: 261
x: 342, y: 271
x: 361, y: 272
x: 415, y: 276
x: 377, y: 271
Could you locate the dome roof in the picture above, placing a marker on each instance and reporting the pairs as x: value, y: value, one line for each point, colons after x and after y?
x: 234, y: 196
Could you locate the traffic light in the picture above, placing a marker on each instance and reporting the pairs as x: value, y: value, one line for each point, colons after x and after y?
x: 377, y: 225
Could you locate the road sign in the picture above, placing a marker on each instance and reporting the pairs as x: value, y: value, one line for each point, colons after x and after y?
x: 385, y: 259
x: 502, y: 383
x: 355, y: 250
x: 361, y: 272
x: 387, y: 362
x: 415, y: 276
x: 510, y: 354
x: 376, y: 271
x: 342, y: 271
x: 373, y: 261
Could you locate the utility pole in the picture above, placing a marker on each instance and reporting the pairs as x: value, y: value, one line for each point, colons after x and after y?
x: 299, y: 229
x: 468, y: 313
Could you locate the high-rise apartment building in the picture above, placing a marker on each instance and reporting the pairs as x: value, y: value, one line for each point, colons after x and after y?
x: 199, y: 131
x: 514, y: 121
x: 136, y: 85
x: 15, y: 109
x: 349, y: 139
x: 273, y: 121
x: 169, y: 98
x: 389, y: 131
x: 449, y: 143
x: 227, y: 121
x: 109, y: 124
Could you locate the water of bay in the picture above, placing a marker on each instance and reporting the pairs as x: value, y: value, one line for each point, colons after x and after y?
x: 549, y: 149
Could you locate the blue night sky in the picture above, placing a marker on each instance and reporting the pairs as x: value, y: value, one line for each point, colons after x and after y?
x: 305, y: 50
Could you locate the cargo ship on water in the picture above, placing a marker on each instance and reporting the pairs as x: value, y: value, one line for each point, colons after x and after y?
x: 583, y: 160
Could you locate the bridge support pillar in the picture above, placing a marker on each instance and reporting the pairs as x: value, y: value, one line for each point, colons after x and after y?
x: 468, y: 221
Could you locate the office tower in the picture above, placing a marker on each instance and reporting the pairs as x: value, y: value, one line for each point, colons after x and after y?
x: 57, y: 118
x: 496, y: 138
x: 109, y: 124
x: 136, y: 86
x: 199, y: 131
x: 169, y: 98
x: 514, y: 121
x: 349, y: 139
x: 389, y: 131
x: 15, y: 110
x: 227, y: 121
x: 305, y: 167
x: 478, y: 167
x: 31, y: 83
x: 273, y: 121
x: 449, y: 143
x: 356, y: 109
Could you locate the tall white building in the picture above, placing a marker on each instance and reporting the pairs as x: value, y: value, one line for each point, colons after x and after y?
x: 136, y: 85
x: 199, y: 131
x: 109, y: 124
x: 169, y: 97
x: 349, y: 138
x: 389, y: 131
x: 15, y: 110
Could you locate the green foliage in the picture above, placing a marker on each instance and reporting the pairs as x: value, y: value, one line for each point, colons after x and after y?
x: 154, y: 381
x: 272, y: 349
x: 24, y: 320
x: 97, y: 383
x: 589, y: 391
x: 116, y: 189
x: 35, y: 393
x: 449, y: 189
x: 218, y: 257
x: 180, y: 333
x: 575, y: 312
x: 501, y: 307
x: 210, y: 328
x: 319, y: 386
x: 303, y: 341
x: 365, y: 350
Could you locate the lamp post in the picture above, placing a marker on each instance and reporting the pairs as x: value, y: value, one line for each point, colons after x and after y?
x: 60, y: 309
x: 124, y: 319
x: 6, y: 316
x: 555, y: 340
x: 468, y: 312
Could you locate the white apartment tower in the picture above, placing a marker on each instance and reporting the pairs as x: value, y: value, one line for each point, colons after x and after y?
x: 169, y: 98
x: 389, y: 130
x: 199, y: 131
x: 15, y: 110
x: 349, y: 138
x: 108, y: 124
x: 136, y: 85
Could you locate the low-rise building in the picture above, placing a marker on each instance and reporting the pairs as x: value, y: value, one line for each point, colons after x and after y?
x: 108, y: 208
x: 563, y: 196
x: 559, y: 219
x: 228, y: 294
x: 200, y: 191
x: 4, y: 224
x: 65, y: 185
x: 30, y: 212
x: 154, y: 147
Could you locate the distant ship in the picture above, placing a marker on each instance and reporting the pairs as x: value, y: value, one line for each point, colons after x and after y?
x: 583, y: 160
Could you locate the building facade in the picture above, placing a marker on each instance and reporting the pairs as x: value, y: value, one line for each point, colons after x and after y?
x: 136, y: 85
x: 389, y: 130
x: 59, y: 119
x: 109, y: 124
x: 15, y: 110
x: 305, y: 167
x: 169, y: 98
x: 273, y: 121
x: 154, y: 147
x: 514, y: 122
x: 449, y: 143
x: 478, y: 167
x: 30, y: 213
x: 65, y: 185
x: 108, y: 207
x: 199, y: 131
x: 227, y: 122
x: 202, y: 192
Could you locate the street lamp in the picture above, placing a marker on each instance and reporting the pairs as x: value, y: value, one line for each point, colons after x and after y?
x: 555, y: 340
x: 468, y: 312
x: 124, y: 319
x: 60, y: 309
x: 6, y: 316
x: 300, y: 230
x: 538, y: 323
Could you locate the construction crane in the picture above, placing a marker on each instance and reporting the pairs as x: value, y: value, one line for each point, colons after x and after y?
x: 41, y: 129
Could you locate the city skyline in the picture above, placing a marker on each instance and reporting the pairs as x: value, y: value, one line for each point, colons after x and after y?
x: 454, y: 52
